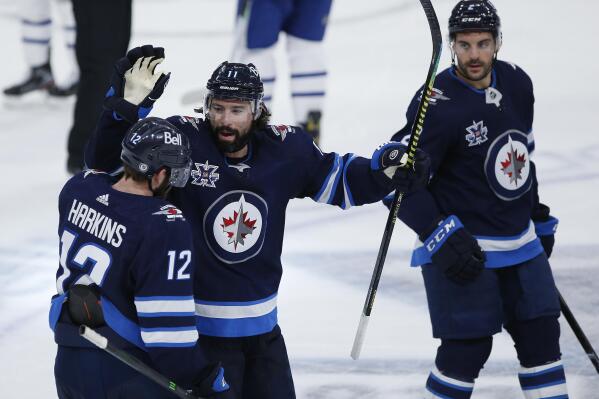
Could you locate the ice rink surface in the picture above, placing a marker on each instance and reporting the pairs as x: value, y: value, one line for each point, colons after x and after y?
x: 378, y: 54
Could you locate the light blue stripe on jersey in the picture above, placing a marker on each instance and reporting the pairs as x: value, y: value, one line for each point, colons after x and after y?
x: 231, y: 328
x: 169, y: 336
x: 348, y: 199
x: 500, y: 251
x: 55, y: 309
x: 165, y: 306
x: 120, y: 324
x: 329, y: 186
x: 236, y: 319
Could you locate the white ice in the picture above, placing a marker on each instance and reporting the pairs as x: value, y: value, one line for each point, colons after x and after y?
x: 378, y: 54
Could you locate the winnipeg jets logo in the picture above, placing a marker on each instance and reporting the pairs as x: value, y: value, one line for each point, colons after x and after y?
x: 282, y: 130
x: 171, y: 212
x: 436, y: 95
x: 477, y: 133
x: 235, y: 226
x: 238, y: 226
x: 205, y: 175
x: 507, y: 166
x: 514, y: 163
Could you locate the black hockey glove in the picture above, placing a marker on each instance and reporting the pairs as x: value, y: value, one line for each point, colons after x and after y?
x: 212, y: 382
x: 545, y: 226
x: 388, y: 160
x: 135, y: 85
x: 454, y: 250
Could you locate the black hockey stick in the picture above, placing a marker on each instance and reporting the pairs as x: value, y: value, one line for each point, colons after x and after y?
x: 582, y: 338
x: 102, y: 342
x: 437, y: 39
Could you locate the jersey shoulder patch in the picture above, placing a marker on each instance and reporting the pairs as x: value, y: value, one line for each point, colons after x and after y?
x: 280, y: 132
x: 169, y: 212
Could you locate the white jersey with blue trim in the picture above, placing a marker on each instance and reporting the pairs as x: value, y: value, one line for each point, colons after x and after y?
x: 480, y: 143
x: 138, y: 251
x: 236, y: 209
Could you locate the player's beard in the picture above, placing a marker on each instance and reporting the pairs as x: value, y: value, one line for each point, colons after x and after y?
x: 485, y: 70
x: 238, y: 142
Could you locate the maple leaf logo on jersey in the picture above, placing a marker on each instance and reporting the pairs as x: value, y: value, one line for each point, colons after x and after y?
x: 477, y: 134
x: 171, y: 212
x: 237, y: 228
x: 205, y: 175
x: 514, y: 164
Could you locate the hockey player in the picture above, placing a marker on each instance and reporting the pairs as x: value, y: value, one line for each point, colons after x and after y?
x: 259, y: 23
x: 127, y: 269
x: 245, y: 172
x: 479, y: 221
x: 36, y: 26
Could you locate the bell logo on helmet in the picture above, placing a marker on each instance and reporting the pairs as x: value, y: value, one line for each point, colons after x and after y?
x: 229, y: 88
x: 172, y: 139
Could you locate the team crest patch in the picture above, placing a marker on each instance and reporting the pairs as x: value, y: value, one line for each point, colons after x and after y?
x: 205, y: 175
x: 282, y: 130
x: 436, y: 96
x: 171, y: 212
x: 507, y: 166
x: 477, y: 134
x: 235, y: 226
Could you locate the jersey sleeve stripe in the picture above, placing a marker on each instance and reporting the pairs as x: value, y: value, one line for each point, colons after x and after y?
x: 169, y: 336
x: 348, y: 199
x: 330, y: 183
x: 146, y: 307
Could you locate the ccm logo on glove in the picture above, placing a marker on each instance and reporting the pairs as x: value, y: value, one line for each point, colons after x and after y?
x: 439, y: 236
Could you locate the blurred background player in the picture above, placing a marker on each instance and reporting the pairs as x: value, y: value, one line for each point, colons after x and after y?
x: 36, y: 32
x: 103, y: 33
x: 126, y: 269
x: 485, y: 237
x: 259, y: 23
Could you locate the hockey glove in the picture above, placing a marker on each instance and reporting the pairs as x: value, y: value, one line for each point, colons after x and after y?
x: 545, y: 226
x: 454, y: 250
x: 389, y: 160
x: 211, y: 382
x: 135, y: 85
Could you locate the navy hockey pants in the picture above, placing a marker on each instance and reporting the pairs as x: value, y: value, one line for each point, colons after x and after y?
x: 83, y: 373
x: 498, y: 297
x: 256, y: 367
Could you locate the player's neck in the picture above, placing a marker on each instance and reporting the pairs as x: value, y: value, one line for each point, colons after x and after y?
x: 131, y: 186
x: 238, y: 154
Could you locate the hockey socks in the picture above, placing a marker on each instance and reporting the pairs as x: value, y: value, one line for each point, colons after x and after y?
x: 443, y: 387
x: 544, y: 382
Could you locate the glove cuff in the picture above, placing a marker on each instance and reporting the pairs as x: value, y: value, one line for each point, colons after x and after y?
x: 444, y: 228
x: 541, y: 213
x: 547, y: 227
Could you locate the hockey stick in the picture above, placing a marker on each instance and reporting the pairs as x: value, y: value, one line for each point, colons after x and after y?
x: 582, y: 338
x: 413, y: 143
x: 102, y: 342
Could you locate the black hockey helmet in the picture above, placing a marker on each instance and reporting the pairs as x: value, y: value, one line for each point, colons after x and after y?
x: 474, y: 16
x: 236, y: 81
x: 154, y: 143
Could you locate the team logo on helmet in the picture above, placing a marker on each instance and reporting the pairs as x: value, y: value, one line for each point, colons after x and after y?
x: 507, y: 166
x: 205, y: 175
x: 477, y: 134
x: 235, y: 226
x: 282, y: 130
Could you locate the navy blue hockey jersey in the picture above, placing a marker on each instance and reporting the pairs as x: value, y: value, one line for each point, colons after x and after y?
x: 480, y: 143
x: 236, y: 209
x: 138, y: 250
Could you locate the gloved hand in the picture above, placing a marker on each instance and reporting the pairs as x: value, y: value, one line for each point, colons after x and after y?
x: 388, y: 159
x: 211, y: 382
x: 454, y: 250
x: 545, y: 226
x: 135, y: 85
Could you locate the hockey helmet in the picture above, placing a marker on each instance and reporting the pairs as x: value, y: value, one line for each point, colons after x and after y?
x: 154, y: 143
x: 236, y: 81
x: 474, y: 16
